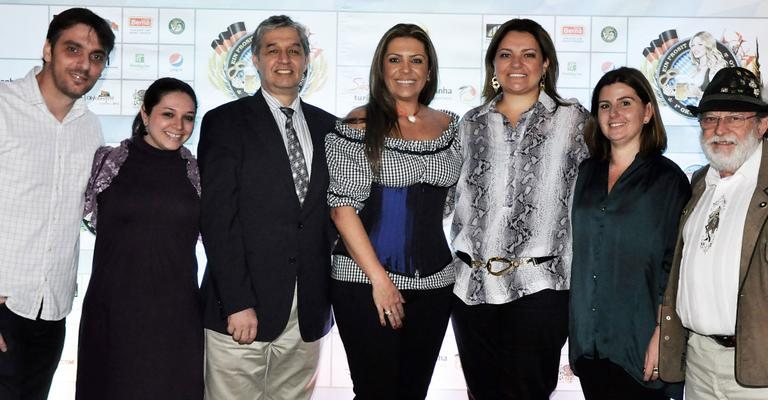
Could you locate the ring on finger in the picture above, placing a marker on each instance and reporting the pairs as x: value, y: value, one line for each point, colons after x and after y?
x: 387, y: 313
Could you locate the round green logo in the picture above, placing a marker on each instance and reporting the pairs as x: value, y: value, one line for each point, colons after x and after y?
x: 176, y: 26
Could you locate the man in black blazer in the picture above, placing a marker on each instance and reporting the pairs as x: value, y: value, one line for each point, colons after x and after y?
x: 266, y: 228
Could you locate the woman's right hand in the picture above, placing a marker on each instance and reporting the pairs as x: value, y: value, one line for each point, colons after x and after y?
x: 389, y: 302
x: 386, y: 297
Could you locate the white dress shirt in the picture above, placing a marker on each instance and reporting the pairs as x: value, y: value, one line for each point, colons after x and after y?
x: 299, y: 125
x: 44, y: 168
x: 709, y: 271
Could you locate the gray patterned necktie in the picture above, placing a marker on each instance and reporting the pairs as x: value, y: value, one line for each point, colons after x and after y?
x: 296, y: 157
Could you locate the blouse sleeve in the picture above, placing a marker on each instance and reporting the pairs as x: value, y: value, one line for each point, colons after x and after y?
x: 349, y: 171
x: 581, y: 152
x: 90, y: 192
x: 457, y: 148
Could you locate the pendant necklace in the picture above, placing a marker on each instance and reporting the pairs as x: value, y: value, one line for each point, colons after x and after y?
x: 411, y: 117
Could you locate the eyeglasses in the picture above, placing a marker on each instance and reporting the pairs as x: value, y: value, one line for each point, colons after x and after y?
x: 734, y: 121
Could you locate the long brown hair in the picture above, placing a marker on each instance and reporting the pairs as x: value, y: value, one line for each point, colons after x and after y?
x: 380, y: 112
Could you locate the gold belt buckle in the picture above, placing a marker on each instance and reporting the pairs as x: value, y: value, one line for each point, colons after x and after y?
x: 511, y: 264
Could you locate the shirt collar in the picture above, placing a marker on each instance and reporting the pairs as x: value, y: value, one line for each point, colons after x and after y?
x: 31, y: 91
x: 544, y: 100
x: 749, y: 170
x: 274, y: 104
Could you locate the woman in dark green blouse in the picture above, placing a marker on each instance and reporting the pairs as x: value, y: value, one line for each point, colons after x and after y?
x: 626, y: 208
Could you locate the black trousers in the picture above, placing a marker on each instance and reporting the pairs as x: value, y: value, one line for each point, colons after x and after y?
x: 34, y: 350
x: 512, y: 350
x: 386, y: 363
x: 604, y: 380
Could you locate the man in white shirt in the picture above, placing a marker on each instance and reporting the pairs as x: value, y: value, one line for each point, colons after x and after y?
x: 47, y: 141
x: 714, y: 317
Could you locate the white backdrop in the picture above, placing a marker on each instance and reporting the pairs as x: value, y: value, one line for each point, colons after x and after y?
x: 173, y: 38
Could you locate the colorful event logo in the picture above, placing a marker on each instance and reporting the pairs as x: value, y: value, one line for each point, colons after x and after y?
x: 231, y: 70
x: 682, y: 69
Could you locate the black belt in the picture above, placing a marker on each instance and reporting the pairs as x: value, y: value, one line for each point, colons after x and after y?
x: 511, y: 263
x: 725, y: 341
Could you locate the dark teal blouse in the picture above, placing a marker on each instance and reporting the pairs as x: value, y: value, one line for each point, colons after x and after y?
x: 623, y: 243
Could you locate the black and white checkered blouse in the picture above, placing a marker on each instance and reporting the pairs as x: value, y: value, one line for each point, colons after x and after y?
x: 403, y: 163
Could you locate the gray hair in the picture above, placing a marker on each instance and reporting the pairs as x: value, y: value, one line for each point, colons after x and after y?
x: 275, y: 22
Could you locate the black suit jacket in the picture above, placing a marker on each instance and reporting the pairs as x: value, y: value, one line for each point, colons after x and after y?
x: 259, y: 241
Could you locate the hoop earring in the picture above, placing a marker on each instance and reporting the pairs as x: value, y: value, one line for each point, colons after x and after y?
x: 495, y: 83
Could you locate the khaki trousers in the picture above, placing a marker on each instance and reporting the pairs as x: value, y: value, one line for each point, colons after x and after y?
x: 709, y: 373
x: 284, y: 369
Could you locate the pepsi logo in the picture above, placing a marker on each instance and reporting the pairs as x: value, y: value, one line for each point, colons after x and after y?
x: 176, y: 59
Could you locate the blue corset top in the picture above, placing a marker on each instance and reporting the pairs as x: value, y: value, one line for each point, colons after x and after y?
x: 405, y: 227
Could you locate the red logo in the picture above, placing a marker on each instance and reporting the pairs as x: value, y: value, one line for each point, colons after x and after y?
x: 140, y: 21
x: 572, y: 29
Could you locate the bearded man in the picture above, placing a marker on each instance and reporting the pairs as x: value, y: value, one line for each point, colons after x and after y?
x: 714, y: 316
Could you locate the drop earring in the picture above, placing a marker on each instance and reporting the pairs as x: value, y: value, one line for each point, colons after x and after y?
x: 495, y: 83
x: 542, y: 86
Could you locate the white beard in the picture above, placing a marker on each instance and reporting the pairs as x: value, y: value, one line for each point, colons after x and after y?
x: 730, y: 162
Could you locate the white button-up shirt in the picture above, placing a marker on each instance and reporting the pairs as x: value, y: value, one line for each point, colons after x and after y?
x: 709, y: 271
x: 299, y: 125
x: 44, y: 168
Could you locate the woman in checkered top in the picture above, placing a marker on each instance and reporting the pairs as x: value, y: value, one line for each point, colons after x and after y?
x: 391, y: 163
